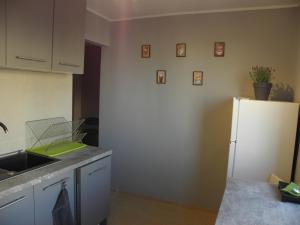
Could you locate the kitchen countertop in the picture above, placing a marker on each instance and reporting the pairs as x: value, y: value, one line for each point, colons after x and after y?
x: 255, y: 203
x: 67, y: 162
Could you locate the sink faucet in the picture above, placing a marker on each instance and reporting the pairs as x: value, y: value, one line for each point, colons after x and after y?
x: 4, y: 127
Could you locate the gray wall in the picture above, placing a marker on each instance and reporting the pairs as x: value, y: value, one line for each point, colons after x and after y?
x: 297, y: 91
x: 297, y: 66
x: 171, y: 141
x: 97, y: 29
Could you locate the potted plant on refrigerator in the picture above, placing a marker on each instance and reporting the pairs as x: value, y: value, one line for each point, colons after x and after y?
x: 261, y: 77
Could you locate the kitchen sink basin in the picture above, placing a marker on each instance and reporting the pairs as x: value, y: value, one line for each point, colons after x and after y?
x: 22, y: 162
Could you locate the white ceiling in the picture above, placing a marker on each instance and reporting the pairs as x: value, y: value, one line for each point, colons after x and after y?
x: 115, y: 10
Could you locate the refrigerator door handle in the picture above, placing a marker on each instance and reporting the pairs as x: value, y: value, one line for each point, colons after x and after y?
x: 231, y: 159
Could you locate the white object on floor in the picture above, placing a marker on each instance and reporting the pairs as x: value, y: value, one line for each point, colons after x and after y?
x: 275, y: 179
x: 262, y: 139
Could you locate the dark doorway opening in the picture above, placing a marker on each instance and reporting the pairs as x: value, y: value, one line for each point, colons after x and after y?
x: 86, y: 94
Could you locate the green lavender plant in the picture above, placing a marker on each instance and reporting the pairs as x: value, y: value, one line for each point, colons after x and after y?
x: 261, y: 74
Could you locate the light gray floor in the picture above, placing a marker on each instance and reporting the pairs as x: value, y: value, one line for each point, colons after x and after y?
x: 127, y: 209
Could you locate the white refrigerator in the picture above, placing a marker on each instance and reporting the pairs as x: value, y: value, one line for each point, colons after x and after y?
x: 262, y: 139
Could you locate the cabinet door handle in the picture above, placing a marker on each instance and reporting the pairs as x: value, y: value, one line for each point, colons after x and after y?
x: 12, y: 202
x: 97, y: 170
x: 62, y: 181
x: 31, y: 59
x: 68, y: 64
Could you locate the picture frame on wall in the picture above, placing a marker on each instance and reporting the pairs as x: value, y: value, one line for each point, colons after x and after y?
x: 198, y: 78
x: 146, y: 51
x: 219, y: 49
x: 161, y: 76
x: 181, y: 50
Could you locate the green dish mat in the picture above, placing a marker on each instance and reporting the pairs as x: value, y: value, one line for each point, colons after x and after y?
x: 290, y: 187
x: 60, y: 149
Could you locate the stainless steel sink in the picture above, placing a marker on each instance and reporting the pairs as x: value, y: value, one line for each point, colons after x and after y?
x: 21, y: 162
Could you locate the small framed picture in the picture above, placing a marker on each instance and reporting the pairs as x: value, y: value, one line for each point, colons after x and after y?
x: 219, y: 49
x: 146, y: 51
x: 161, y: 76
x: 198, y: 78
x: 181, y: 50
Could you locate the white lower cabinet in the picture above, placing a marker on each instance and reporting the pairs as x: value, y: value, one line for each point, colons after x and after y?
x: 46, y: 195
x: 34, y: 206
x: 17, y: 208
x: 93, y: 181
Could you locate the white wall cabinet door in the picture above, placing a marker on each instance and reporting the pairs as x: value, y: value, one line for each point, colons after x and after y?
x: 2, y: 33
x: 29, y: 34
x: 68, y: 36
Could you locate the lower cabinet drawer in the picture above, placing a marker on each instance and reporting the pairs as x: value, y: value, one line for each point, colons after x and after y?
x: 46, y: 195
x: 17, y: 208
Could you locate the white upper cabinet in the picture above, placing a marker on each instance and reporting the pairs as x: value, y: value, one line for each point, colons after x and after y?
x: 68, y: 36
x: 2, y: 33
x: 29, y: 34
